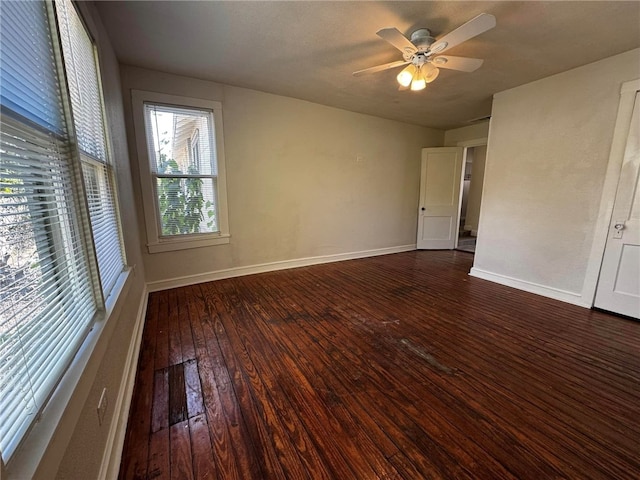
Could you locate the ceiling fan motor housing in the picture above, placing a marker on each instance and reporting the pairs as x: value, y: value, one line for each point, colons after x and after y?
x: 422, y: 39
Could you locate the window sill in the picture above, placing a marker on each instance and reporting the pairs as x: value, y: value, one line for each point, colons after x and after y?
x: 173, y: 244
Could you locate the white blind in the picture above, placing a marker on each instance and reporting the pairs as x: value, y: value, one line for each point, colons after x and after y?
x: 86, y: 102
x: 46, y: 303
x: 29, y: 85
x: 84, y: 88
x: 104, y: 221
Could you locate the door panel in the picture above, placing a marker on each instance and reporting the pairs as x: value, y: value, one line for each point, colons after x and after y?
x: 436, y: 228
x: 627, y: 279
x: 439, y: 208
x: 440, y: 179
x: 619, y: 283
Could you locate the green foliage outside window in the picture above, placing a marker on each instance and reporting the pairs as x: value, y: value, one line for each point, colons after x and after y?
x: 181, y: 201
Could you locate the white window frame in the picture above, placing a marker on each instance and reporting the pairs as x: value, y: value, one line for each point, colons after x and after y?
x: 156, y: 242
x: 107, y: 165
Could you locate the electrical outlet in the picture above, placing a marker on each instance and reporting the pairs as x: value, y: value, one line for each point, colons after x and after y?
x: 102, y: 406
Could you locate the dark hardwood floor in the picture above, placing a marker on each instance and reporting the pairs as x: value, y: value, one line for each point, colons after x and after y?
x: 393, y: 367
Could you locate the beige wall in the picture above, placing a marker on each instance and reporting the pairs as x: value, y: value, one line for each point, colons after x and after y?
x: 475, y: 189
x: 303, y: 180
x: 465, y: 134
x: 548, y: 150
x: 79, y: 438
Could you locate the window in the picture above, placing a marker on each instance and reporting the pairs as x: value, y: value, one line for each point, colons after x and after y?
x: 81, y: 64
x: 181, y: 159
x: 49, y: 255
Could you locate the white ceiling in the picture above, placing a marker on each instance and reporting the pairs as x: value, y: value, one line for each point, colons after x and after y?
x: 309, y: 49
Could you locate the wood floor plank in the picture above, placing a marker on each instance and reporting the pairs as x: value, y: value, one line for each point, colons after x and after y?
x: 253, y: 420
x: 161, y: 359
x: 159, y: 456
x: 160, y: 408
x: 204, y: 467
x: 392, y: 367
x: 175, y: 342
x: 184, y: 322
x: 278, y: 359
x: 223, y: 453
x: 195, y: 404
x: 180, y: 451
x: 295, y: 448
x: 136, y: 448
x: 247, y: 457
x: 177, y: 394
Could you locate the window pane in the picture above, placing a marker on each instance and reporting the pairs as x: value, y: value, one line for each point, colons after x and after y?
x: 181, y: 146
x: 180, y: 140
x: 187, y: 205
x: 82, y: 76
x: 86, y: 103
x: 29, y: 85
x: 104, y: 222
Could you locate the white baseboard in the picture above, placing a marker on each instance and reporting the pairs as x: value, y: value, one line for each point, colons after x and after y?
x: 112, y: 456
x: 270, y: 267
x: 550, y: 292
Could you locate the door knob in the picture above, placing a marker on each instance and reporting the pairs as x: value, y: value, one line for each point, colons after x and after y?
x: 422, y: 209
x: 617, y: 226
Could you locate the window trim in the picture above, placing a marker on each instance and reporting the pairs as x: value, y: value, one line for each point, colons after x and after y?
x: 156, y: 242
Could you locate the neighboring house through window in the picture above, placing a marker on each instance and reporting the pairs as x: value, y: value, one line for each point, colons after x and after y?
x: 194, y: 149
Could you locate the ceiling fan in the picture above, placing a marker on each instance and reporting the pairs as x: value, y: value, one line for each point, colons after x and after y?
x: 420, y: 53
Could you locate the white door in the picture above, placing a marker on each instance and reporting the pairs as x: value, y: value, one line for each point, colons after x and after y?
x: 619, y: 283
x: 439, y: 208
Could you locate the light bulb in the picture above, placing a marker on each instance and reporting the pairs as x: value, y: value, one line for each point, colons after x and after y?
x: 418, y: 83
x: 405, y: 76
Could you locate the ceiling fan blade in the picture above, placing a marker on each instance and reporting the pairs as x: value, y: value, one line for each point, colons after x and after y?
x: 463, y: 64
x: 473, y: 27
x: 397, y: 39
x: 380, y: 68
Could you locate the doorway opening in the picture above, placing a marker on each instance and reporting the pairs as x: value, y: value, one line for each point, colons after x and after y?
x: 471, y: 197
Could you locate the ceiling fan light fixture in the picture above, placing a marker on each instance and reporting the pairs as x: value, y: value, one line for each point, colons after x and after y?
x: 420, y: 52
x: 406, y: 75
x: 418, y: 82
x: 430, y: 73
